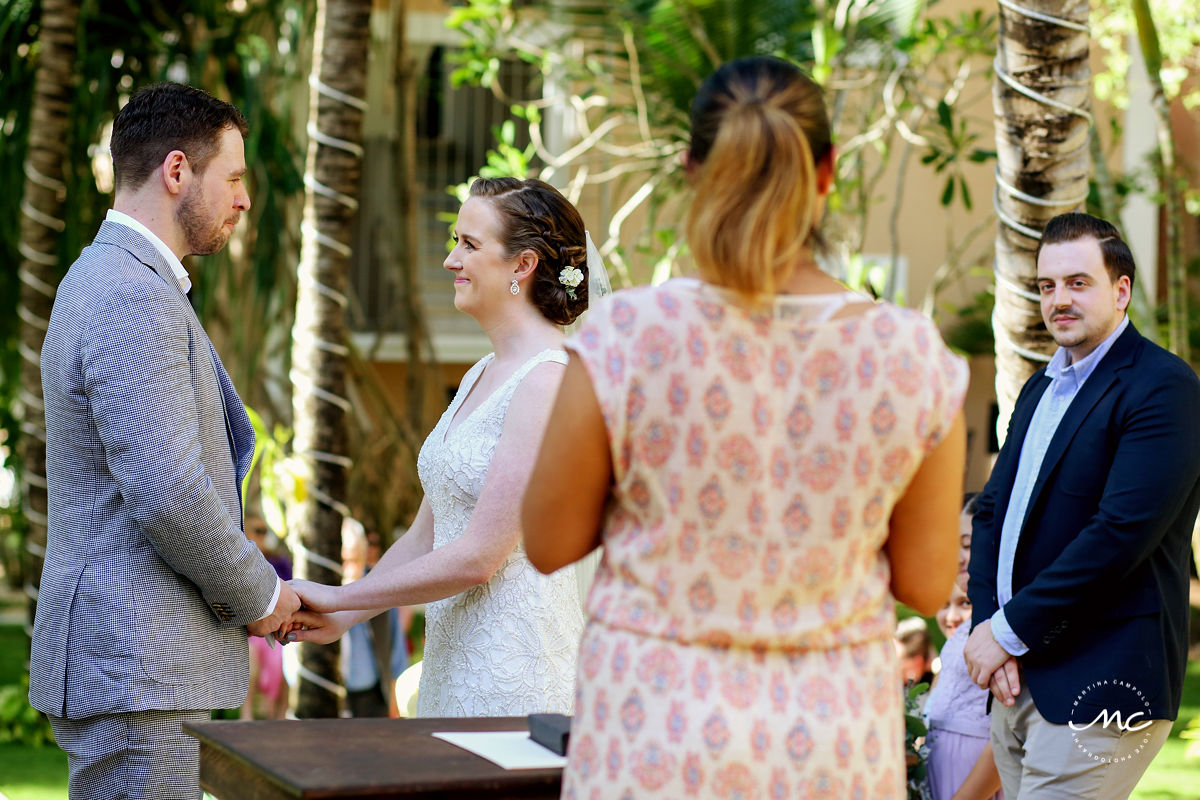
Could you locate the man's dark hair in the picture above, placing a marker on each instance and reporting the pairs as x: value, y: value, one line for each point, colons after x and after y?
x: 1072, y: 227
x: 166, y: 117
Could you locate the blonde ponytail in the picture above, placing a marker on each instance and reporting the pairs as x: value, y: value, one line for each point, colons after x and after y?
x: 757, y: 126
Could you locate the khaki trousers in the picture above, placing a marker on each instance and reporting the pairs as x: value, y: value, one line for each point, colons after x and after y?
x: 1039, y: 760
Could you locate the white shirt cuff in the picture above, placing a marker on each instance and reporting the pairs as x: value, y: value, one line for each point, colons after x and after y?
x: 1002, y: 632
x: 274, y: 598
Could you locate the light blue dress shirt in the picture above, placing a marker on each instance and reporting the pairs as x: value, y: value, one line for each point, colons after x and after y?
x: 1065, y: 381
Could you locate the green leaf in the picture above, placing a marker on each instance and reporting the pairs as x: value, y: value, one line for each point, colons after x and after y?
x: 944, y: 115
x: 916, y: 690
x: 948, y: 192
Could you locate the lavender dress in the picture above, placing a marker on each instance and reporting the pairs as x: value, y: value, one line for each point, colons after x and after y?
x: 956, y: 713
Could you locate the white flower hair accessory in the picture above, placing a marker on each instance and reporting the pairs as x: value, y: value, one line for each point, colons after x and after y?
x: 570, y: 277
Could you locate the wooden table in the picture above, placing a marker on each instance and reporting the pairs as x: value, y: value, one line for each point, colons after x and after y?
x: 360, y: 758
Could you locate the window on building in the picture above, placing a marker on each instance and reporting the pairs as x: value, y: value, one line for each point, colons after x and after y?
x: 454, y: 132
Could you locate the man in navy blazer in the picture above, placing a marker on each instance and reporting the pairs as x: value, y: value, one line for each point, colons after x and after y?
x: 149, y: 585
x: 1080, y: 552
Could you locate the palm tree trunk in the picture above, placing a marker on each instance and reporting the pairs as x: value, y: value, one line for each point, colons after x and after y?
x: 1177, y: 311
x: 319, y: 351
x: 42, y: 211
x: 1040, y: 102
x: 420, y: 376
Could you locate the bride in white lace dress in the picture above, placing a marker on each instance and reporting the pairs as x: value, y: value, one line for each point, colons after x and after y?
x: 505, y: 647
x: 501, y: 638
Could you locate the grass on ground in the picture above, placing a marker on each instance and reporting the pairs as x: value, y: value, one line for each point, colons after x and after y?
x: 26, y: 773
x: 1172, y: 775
x: 33, y: 773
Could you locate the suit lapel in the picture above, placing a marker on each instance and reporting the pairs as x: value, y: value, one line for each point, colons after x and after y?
x: 241, y: 432
x: 1118, y: 357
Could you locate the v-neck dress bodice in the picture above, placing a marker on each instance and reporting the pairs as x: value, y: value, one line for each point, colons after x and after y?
x: 506, y: 647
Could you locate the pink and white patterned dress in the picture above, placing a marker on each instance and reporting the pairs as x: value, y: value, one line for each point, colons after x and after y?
x: 739, y: 642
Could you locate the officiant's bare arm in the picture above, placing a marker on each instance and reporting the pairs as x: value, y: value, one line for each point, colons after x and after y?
x: 922, y: 543
x: 491, y: 534
x: 564, y: 504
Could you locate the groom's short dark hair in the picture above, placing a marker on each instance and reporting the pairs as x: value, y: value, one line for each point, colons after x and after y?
x: 165, y: 117
x: 1071, y: 227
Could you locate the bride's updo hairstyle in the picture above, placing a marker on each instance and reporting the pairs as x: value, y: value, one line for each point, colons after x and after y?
x: 535, y: 216
x: 759, y: 129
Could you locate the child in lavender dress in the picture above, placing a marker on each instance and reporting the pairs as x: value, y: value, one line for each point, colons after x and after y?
x: 960, y: 764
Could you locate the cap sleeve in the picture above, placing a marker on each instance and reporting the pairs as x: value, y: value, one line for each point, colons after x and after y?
x: 601, y: 344
x: 948, y: 376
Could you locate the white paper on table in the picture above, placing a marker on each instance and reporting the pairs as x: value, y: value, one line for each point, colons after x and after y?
x: 507, y: 749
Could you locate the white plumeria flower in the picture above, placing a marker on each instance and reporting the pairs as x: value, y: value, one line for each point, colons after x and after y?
x: 570, y: 277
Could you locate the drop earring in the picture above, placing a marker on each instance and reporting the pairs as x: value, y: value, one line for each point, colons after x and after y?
x: 515, y: 288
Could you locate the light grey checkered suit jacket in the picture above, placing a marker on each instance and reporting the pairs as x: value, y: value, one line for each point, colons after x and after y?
x: 148, y: 579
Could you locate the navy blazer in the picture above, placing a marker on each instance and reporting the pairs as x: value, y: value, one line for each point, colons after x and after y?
x: 1100, y: 577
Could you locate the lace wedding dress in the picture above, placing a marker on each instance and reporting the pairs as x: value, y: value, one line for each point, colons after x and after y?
x: 507, y: 647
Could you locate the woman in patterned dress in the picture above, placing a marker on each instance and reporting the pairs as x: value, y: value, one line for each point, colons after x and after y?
x: 768, y: 460
x: 500, y: 638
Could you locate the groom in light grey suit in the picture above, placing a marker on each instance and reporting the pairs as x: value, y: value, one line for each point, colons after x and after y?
x: 149, y: 585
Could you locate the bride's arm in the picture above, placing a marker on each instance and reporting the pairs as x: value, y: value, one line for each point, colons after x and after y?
x: 319, y: 598
x: 409, y: 575
x: 416, y: 541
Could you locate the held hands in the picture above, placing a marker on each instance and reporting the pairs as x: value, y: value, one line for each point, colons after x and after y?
x: 291, y: 624
x: 316, y: 596
x: 308, y: 626
x: 276, y: 624
x: 1006, y: 682
x: 311, y: 624
x: 990, y: 665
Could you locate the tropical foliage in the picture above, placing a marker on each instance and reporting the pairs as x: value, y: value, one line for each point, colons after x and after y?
x: 1113, y: 22
x: 248, y: 52
x: 18, y: 38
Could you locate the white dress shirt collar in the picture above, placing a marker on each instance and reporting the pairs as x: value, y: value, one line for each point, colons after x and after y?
x: 177, y: 269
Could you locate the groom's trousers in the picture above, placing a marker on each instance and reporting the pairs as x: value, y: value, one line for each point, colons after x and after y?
x: 138, y: 755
